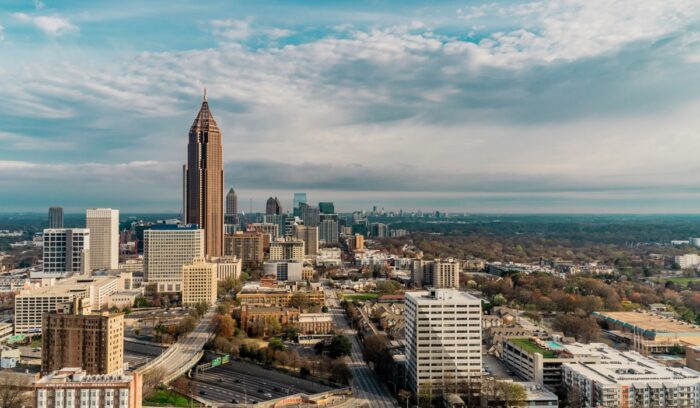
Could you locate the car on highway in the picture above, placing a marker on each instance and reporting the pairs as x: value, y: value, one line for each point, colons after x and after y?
x: 234, y: 401
x: 202, y: 392
x: 268, y: 395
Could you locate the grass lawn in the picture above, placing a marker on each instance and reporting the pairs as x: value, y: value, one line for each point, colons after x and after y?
x: 530, y: 346
x: 36, y: 342
x: 168, y: 398
x: 359, y: 296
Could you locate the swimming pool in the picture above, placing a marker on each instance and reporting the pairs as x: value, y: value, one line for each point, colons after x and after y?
x: 554, y: 345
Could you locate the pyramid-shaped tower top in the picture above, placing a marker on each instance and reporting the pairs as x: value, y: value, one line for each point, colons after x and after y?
x: 204, y: 119
x: 231, y: 191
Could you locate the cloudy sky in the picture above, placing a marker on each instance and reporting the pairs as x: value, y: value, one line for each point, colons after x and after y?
x: 508, y: 106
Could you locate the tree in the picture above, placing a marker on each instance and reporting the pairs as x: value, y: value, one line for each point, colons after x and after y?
x: 276, y: 344
x: 340, y: 372
x: 201, y: 308
x: 13, y: 392
x: 151, y: 381
x: 340, y: 346
x: 299, y: 301
x: 224, y: 325
x: 388, y: 287
x: 186, y: 325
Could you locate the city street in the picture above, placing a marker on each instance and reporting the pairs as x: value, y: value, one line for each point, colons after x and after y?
x: 365, y: 383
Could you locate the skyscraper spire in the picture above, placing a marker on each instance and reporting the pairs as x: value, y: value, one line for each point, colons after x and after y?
x: 205, y: 93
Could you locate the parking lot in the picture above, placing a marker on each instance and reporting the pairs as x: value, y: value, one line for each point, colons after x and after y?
x: 240, y: 382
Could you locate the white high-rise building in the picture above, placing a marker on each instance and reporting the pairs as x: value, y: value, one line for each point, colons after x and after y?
x: 687, y: 261
x: 287, y: 248
x: 443, y: 339
x: 103, y: 224
x: 199, y: 283
x: 66, y: 251
x: 166, y: 249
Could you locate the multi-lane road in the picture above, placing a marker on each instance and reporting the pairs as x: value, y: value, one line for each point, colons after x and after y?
x: 241, y: 381
x: 365, y: 384
x: 180, y: 354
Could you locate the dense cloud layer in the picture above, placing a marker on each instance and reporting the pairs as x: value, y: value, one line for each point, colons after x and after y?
x: 560, y: 101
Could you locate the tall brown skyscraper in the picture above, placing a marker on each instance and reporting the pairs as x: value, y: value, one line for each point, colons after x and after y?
x: 204, y: 186
x: 231, y: 207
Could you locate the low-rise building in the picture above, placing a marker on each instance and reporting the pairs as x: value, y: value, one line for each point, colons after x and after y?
x: 539, y: 361
x: 9, y: 358
x: 275, y: 296
x: 73, y: 388
x: 315, y: 323
x: 628, y: 379
x: 30, y: 305
x: 258, y: 318
x: 124, y: 299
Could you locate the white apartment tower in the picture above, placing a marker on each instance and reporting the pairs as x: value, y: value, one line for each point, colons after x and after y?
x: 103, y: 224
x: 287, y: 248
x: 166, y: 248
x: 443, y: 339
x: 66, y: 252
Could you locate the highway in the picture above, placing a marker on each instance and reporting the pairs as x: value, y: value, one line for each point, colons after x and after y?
x: 185, y: 349
x: 242, y: 381
x: 365, y: 384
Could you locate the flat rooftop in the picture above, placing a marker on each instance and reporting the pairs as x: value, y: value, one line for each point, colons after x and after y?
x: 73, y: 284
x: 650, y: 323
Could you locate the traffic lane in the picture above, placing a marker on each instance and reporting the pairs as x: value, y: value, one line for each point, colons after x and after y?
x: 223, y: 383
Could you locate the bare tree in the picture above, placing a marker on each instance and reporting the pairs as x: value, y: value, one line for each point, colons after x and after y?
x: 14, y: 392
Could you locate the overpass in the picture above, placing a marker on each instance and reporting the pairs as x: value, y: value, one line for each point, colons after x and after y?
x: 182, y: 355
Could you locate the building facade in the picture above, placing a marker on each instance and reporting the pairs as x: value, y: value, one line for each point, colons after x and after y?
x: 66, y: 251
x: 74, y: 388
x: 438, y: 273
x: 94, y: 342
x: 103, y: 224
x: 284, y: 270
x: 443, y: 339
x: 31, y: 305
x: 166, y: 248
x: 328, y: 232
x: 199, y: 282
x: 204, y: 175
x: 246, y: 246
x: 55, y: 217
x: 310, y: 237
x: 227, y: 267
x: 628, y: 379
x: 273, y: 206
x: 231, y: 215
x: 287, y: 249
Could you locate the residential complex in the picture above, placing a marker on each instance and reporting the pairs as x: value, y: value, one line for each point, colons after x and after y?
x: 287, y: 249
x: 541, y: 361
x: 93, y: 341
x: 628, y: 379
x: 66, y: 251
x: 443, y: 338
x: 439, y: 273
x: 166, y: 248
x: 103, y: 224
x: 199, y: 282
x: 72, y: 387
x: 247, y: 246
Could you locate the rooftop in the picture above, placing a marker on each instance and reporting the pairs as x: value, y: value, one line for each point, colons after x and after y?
x: 650, y: 323
x: 530, y: 346
x: 631, y: 368
x: 76, y: 283
x: 77, y: 375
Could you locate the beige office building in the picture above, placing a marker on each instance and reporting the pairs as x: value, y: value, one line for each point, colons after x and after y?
x: 199, y: 282
x: 103, y: 224
x: 92, y: 341
x: 247, y: 246
x: 287, y: 249
x: 228, y: 267
x: 166, y: 249
x: 30, y: 305
x: 310, y: 237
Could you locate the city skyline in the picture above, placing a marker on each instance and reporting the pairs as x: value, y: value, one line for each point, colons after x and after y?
x: 520, y: 107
